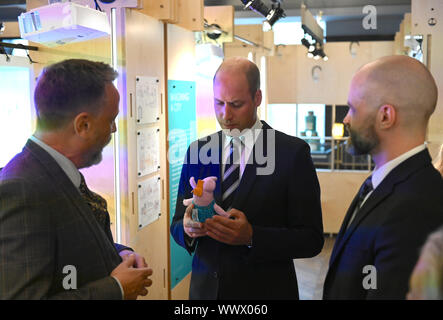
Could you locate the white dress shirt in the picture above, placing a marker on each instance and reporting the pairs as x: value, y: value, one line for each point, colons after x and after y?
x: 379, y: 174
x: 248, y: 138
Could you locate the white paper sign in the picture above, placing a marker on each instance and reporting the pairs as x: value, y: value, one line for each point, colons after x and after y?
x: 148, y: 151
x: 149, y: 201
x: 147, y: 99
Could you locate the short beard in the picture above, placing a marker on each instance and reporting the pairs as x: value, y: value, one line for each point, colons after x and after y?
x: 94, y: 159
x: 359, y: 144
x: 97, y: 157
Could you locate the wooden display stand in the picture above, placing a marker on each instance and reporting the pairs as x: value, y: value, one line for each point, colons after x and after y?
x: 185, y: 13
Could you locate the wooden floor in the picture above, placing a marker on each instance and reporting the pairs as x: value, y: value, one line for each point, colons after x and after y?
x: 311, y: 272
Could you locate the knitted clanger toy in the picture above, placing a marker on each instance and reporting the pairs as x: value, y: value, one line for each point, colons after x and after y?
x: 203, y: 199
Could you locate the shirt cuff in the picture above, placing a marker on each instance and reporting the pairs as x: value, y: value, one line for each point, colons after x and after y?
x: 120, y: 286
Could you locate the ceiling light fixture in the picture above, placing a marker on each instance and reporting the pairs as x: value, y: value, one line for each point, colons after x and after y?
x: 313, y: 36
x: 271, y: 15
x: 213, y: 31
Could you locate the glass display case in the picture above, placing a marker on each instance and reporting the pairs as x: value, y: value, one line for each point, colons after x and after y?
x: 314, y: 123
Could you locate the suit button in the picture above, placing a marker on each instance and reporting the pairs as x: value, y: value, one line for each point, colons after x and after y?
x: 215, y: 274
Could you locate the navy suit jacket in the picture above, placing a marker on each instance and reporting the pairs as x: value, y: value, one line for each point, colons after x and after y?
x: 387, y: 233
x: 46, y: 225
x: 284, y: 211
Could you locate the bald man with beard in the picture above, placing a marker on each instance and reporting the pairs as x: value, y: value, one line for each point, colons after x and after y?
x: 401, y: 203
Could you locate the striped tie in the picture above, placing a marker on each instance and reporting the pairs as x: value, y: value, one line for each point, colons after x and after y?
x: 231, y: 177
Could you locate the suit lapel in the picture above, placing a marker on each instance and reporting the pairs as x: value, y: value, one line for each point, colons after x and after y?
x: 343, y: 228
x: 379, y: 194
x: 386, y: 188
x: 61, y: 180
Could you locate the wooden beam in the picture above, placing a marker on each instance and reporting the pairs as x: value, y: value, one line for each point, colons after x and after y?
x: 165, y: 10
x: 224, y: 17
x: 11, y: 30
x: 190, y: 14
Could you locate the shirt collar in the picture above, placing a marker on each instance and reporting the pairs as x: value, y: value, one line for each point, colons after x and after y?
x: 380, y: 173
x: 247, y: 136
x: 67, y: 166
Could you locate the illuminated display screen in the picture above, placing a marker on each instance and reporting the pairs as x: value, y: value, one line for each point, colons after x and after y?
x: 15, y: 111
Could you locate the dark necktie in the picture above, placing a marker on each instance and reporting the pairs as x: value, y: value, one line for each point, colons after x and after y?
x: 96, y: 203
x: 231, y: 177
x: 362, y: 193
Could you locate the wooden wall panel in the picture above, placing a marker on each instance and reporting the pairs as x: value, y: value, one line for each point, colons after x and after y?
x: 181, y: 291
x: 181, y: 66
x: 252, y: 32
x: 11, y: 30
x: 144, y: 56
x: 282, y: 75
x: 165, y: 10
x: 337, y: 192
x: 190, y: 14
x: 290, y: 72
x: 181, y: 54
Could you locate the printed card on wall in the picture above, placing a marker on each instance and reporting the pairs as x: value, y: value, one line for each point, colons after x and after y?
x: 148, y: 151
x: 147, y: 99
x: 149, y: 194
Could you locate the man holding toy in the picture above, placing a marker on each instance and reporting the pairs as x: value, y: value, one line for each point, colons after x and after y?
x: 267, y: 199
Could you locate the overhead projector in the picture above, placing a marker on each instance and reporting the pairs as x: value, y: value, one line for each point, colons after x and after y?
x: 60, y: 23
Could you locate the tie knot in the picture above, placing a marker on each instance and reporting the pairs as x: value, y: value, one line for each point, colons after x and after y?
x: 236, y: 142
x: 84, y: 187
x: 235, y: 147
x: 367, y: 187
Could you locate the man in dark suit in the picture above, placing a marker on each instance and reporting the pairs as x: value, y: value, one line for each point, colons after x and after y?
x: 55, y: 237
x: 270, y: 199
x: 390, y: 103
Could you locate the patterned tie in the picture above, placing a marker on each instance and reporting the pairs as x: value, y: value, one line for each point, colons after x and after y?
x: 362, y: 193
x: 231, y: 177
x: 96, y: 203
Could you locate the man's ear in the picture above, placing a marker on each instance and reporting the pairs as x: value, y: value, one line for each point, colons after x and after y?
x: 258, y: 97
x: 386, y: 116
x: 82, y: 124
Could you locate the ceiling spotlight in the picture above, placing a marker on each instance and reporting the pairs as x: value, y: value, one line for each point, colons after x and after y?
x: 213, y: 31
x: 313, y: 31
x: 271, y: 15
x: 315, y: 49
x: 306, y: 43
x: 266, y: 26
